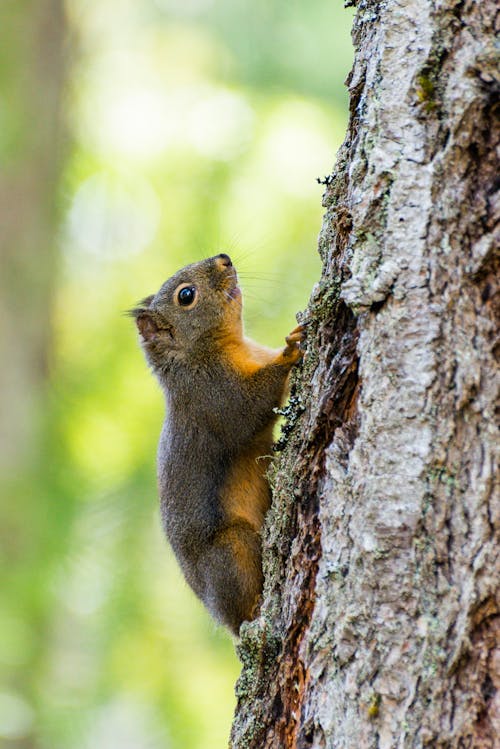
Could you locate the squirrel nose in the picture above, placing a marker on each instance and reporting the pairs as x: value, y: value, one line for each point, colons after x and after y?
x: 223, y: 261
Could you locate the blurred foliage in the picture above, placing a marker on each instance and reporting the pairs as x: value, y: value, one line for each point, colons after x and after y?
x: 195, y: 126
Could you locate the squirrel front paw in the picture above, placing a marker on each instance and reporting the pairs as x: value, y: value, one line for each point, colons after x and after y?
x: 292, y: 351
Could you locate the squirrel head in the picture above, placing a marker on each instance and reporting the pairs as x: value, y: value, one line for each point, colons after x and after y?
x: 197, y: 308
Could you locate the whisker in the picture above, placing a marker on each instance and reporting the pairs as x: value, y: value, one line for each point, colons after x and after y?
x: 231, y: 298
x: 264, y: 300
x: 266, y: 279
x: 241, y: 258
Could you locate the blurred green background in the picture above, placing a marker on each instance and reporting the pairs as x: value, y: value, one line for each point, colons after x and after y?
x: 136, y: 136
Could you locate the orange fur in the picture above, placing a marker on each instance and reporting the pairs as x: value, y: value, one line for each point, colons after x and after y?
x: 248, y: 357
x: 245, y: 495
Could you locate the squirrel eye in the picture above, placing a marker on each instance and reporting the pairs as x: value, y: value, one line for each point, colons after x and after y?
x: 186, y: 296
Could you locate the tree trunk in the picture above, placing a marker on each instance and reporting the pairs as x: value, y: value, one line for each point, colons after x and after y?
x: 379, y: 625
x: 31, y: 71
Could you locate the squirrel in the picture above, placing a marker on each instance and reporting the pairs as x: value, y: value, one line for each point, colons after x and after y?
x: 221, y: 390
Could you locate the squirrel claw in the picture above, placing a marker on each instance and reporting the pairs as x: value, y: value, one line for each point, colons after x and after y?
x: 297, y: 335
x: 292, y: 349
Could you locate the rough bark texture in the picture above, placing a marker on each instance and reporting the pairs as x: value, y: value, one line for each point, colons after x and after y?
x: 31, y: 73
x: 380, y: 621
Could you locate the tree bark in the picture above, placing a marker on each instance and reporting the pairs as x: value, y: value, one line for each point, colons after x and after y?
x: 380, y: 617
x: 31, y: 74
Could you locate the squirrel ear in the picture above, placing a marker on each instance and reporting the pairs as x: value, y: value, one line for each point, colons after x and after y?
x: 144, y: 320
x: 146, y: 326
x: 150, y: 330
x: 150, y: 325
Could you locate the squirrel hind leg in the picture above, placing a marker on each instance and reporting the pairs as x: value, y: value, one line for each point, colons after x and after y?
x: 232, y: 570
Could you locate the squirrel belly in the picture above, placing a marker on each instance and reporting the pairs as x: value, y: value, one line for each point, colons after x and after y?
x: 221, y: 393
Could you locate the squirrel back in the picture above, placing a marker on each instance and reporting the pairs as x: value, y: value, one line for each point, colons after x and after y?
x: 221, y: 390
